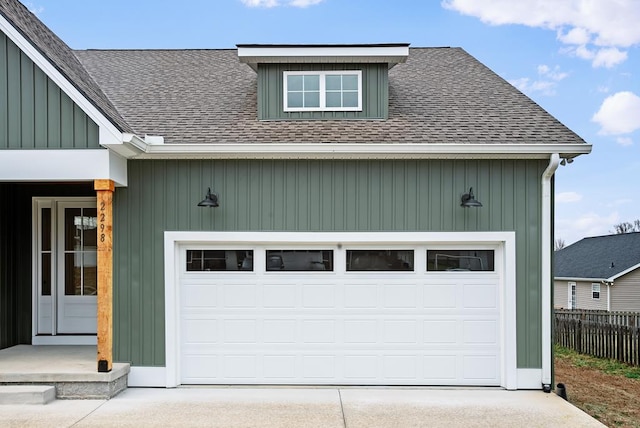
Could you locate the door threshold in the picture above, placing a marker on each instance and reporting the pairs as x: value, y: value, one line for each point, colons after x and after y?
x: 65, y: 339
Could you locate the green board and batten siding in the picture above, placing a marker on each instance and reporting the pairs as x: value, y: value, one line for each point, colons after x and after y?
x: 268, y: 195
x: 34, y: 112
x: 375, y: 96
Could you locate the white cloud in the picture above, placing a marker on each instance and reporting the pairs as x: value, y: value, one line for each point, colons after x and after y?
x: 624, y: 141
x: 546, y: 85
x: 603, y: 24
x: 619, y: 114
x: 604, y: 89
x: 36, y: 10
x: 274, y: 3
x: 568, y: 197
x: 575, y: 36
x: 588, y: 224
x: 304, y: 3
x: 608, y: 57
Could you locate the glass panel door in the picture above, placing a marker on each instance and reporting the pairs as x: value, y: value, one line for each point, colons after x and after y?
x: 77, y: 267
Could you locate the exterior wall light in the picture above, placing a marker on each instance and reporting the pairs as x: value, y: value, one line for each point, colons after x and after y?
x: 468, y: 200
x: 210, y: 200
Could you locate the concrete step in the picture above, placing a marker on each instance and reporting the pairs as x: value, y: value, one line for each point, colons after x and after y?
x: 27, y: 394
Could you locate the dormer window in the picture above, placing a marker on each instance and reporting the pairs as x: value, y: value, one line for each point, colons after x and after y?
x: 323, y: 90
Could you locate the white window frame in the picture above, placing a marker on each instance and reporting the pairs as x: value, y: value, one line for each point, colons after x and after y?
x: 573, y: 294
x: 595, y: 288
x: 323, y: 90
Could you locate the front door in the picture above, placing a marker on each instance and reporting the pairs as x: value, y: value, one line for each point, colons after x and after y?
x: 66, y: 266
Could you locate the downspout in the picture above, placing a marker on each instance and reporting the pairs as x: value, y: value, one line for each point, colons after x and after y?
x: 554, y: 161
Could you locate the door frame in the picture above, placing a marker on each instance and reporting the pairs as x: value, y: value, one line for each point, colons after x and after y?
x: 504, y: 243
x: 52, y: 338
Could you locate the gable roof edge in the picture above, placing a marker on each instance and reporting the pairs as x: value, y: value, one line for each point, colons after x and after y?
x: 108, y: 132
x: 624, y: 272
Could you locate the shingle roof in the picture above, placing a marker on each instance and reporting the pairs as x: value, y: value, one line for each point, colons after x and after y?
x: 598, y: 257
x: 61, y: 57
x: 440, y: 95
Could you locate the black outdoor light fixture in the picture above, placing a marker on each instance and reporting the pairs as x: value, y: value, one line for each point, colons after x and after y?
x: 468, y: 200
x: 210, y: 200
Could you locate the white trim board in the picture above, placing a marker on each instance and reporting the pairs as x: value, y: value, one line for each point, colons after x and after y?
x: 109, y: 134
x: 62, y: 165
x: 135, y: 147
x: 504, y: 242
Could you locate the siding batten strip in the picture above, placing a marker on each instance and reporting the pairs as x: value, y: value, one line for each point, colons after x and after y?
x: 104, y: 190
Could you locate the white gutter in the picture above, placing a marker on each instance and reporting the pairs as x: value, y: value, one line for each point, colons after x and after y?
x: 148, y: 148
x: 554, y: 161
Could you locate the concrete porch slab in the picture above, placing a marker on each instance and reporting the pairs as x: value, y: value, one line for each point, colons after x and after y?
x: 71, y: 369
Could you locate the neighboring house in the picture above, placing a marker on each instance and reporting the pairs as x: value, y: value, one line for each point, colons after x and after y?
x: 333, y: 247
x: 602, y: 272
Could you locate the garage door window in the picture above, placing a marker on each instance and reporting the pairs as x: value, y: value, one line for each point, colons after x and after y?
x: 379, y: 260
x: 299, y: 260
x: 460, y: 260
x: 219, y: 260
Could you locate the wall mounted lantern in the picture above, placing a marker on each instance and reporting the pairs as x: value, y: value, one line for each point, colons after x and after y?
x: 468, y: 200
x: 210, y: 200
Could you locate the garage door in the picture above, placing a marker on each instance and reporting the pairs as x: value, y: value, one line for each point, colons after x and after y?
x: 339, y: 314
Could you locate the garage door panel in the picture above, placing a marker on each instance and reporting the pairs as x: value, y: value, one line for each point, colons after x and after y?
x: 319, y: 296
x: 279, y: 296
x: 439, y: 296
x: 360, y: 296
x: 240, y: 295
x: 370, y: 328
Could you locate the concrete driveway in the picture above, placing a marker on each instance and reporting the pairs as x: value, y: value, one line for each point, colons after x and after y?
x: 305, y: 407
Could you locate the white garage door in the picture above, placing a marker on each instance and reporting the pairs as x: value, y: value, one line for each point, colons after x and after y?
x: 349, y: 315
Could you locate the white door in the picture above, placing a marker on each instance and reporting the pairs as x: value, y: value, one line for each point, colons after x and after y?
x: 66, y: 266
x: 337, y: 315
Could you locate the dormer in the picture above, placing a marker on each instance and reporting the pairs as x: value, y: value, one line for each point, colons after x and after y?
x: 323, y: 82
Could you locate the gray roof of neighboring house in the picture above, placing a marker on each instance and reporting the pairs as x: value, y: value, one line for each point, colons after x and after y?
x: 440, y: 95
x: 61, y: 57
x: 599, y: 257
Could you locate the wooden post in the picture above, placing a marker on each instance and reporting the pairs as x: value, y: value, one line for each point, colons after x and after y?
x: 104, y: 191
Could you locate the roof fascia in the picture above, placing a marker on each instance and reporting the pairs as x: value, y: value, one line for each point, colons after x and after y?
x: 624, y: 272
x: 256, y: 54
x: 570, y: 278
x: 135, y: 147
x: 108, y: 133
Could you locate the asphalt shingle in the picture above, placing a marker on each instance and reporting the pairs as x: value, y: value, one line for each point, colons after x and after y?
x: 598, y: 257
x: 440, y: 95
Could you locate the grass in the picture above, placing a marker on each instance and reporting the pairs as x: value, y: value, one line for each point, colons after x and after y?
x: 612, y: 367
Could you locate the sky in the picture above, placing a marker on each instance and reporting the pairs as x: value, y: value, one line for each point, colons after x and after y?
x: 577, y: 59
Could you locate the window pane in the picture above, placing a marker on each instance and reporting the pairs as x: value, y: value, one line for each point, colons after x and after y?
x: 333, y: 82
x: 90, y: 228
x: 219, y: 260
x: 46, y: 274
x: 46, y: 229
x: 350, y: 99
x: 294, y: 83
x: 299, y: 260
x: 72, y: 228
x: 312, y: 83
x: 294, y: 99
x: 460, y: 260
x: 349, y: 82
x: 73, y: 274
x: 379, y: 260
x: 334, y: 99
x: 90, y: 277
x: 312, y: 99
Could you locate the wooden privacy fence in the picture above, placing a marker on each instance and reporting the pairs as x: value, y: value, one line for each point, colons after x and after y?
x: 614, y: 335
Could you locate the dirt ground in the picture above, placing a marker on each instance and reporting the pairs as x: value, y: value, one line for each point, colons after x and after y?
x: 612, y: 399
